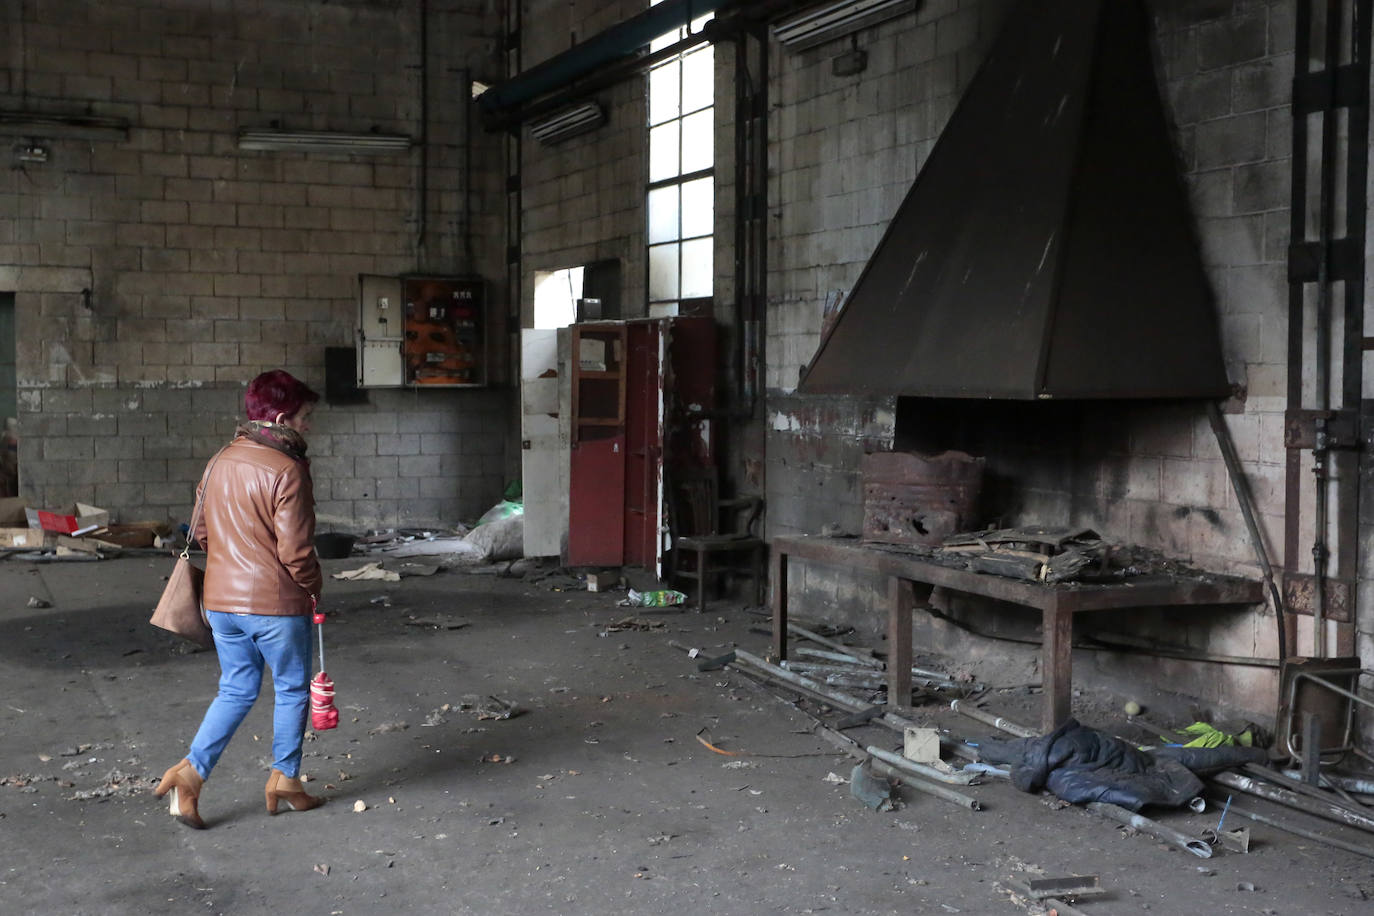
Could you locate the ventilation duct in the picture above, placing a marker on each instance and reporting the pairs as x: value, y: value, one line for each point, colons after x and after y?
x: 569, y: 122
x: 322, y: 141
x: 819, y: 24
x: 1046, y: 249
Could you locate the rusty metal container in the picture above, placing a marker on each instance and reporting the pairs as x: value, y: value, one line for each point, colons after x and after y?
x: 914, y: 499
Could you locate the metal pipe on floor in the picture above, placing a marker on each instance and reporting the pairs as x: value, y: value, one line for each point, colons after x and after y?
x: 1332, y: 812
x: 929, y: 788
x: 1292, y: 779
x: 1155, y: 829
x: 878, y: 677
x: 849, y: 660
x: 1290, y: 827
x: 916, y: 768
x: 988, y: 718
x: 869, y: 660
x: 843, y: 700
x: 1348, y: 783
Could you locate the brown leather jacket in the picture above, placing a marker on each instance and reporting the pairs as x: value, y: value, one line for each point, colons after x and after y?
x: 258, y: 530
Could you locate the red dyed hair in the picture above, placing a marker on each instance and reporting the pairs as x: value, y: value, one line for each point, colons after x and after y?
x: 277, y: 392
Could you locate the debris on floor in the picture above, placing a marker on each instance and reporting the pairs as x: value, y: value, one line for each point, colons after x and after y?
x: 436, y: 622
x: 634, y: 623
x: 490, y: 707
x: 368, y: 571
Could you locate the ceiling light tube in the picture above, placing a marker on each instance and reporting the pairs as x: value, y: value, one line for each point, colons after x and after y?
x: 823, y: 22
x: 322, y: 141
x: 569, y: 122
x: 62, y: 126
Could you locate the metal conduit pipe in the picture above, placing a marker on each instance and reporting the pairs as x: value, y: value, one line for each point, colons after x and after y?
x: 422, y: 185
x: 1348, y: 783
x: 1155, y: 829
x: 988, y: 718
x: 603, y: 48
x: 1303, y: 832
x: 1320, y: 450
x: 1331, y: 812
x: 918, y: 677
x: 929, y: 788
x: 843, y: 700
x: 920, y: 769
x: 1246, y: 500
x: 840, y: 647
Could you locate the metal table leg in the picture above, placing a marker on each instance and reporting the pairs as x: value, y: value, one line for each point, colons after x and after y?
x: 901, y: 600
x: 777, y: 575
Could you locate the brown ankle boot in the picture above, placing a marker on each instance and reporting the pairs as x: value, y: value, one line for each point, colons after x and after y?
x: 282, y: 788
x: 185, y: 784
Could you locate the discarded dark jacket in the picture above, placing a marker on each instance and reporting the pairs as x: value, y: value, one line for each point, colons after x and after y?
x: 1080, y: 765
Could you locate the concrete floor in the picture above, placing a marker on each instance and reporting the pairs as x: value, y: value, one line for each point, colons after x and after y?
x: 602, y: 801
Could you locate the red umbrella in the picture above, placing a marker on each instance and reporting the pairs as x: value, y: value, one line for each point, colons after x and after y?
x: 323, y: 715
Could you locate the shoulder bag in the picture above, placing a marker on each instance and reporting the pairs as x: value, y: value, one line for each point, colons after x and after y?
x: 179, y: 610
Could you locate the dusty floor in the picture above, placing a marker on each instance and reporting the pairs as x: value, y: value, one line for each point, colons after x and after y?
x: 597, y: 799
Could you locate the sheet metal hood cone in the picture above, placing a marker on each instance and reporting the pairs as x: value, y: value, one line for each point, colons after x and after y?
x: 1046, y: 249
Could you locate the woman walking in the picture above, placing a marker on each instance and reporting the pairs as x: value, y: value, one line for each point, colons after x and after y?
x: 262, y: 582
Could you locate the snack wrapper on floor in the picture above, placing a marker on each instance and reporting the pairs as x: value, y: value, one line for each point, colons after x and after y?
x: 663, y: 598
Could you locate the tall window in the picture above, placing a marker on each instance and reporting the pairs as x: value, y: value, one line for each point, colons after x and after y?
x: 681, y: 200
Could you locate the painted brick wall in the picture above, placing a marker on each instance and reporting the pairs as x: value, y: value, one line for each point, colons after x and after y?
x: 207, y: 264
x: 846, y: 150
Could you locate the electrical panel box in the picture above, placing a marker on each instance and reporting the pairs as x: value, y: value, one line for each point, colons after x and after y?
x: 418, y: 331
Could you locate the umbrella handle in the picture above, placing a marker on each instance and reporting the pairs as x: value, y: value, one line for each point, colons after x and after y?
x: 317, y: 617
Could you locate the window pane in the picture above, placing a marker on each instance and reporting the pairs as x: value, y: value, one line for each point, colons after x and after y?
x: 664, y: 84
x: 698, y: 80
x: 663, y: 310
x: 696, y: 268
x: 663, y: 271
x: 663, y: 214
x: 698, y: 141
x: 663, y: 151
x: 698, y: 207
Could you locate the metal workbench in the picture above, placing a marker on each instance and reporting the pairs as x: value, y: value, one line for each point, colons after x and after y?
x: 908, y: 571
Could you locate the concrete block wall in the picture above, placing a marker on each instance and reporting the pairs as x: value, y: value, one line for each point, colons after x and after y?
x: 845, y: 151
x: 206, y: 265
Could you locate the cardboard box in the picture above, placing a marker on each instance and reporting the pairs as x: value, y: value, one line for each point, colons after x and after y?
x: 12, y: 513
x: 921, y: 744
x: 77, y: 519
x: 22, y: 537
x: 138, y: 534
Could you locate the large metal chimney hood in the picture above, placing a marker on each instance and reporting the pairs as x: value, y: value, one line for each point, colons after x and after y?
x: 1046, y: 249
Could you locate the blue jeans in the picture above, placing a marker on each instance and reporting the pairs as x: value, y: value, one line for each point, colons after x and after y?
x: 244, y: 643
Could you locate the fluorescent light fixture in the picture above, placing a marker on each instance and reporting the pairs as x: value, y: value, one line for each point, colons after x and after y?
x: 322, y: 141
x: 569, y: 122
x: 62, y: 126
x: 824, y: 21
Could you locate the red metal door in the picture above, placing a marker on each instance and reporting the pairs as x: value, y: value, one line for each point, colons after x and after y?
x: 596, y: 498
x: 596, y: 503
x: 643, y: 444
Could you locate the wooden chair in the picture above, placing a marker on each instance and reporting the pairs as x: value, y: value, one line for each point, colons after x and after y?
x: 703, y: 547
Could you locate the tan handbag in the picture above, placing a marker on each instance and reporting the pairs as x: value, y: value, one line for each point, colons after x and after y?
x: 179, y: 610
